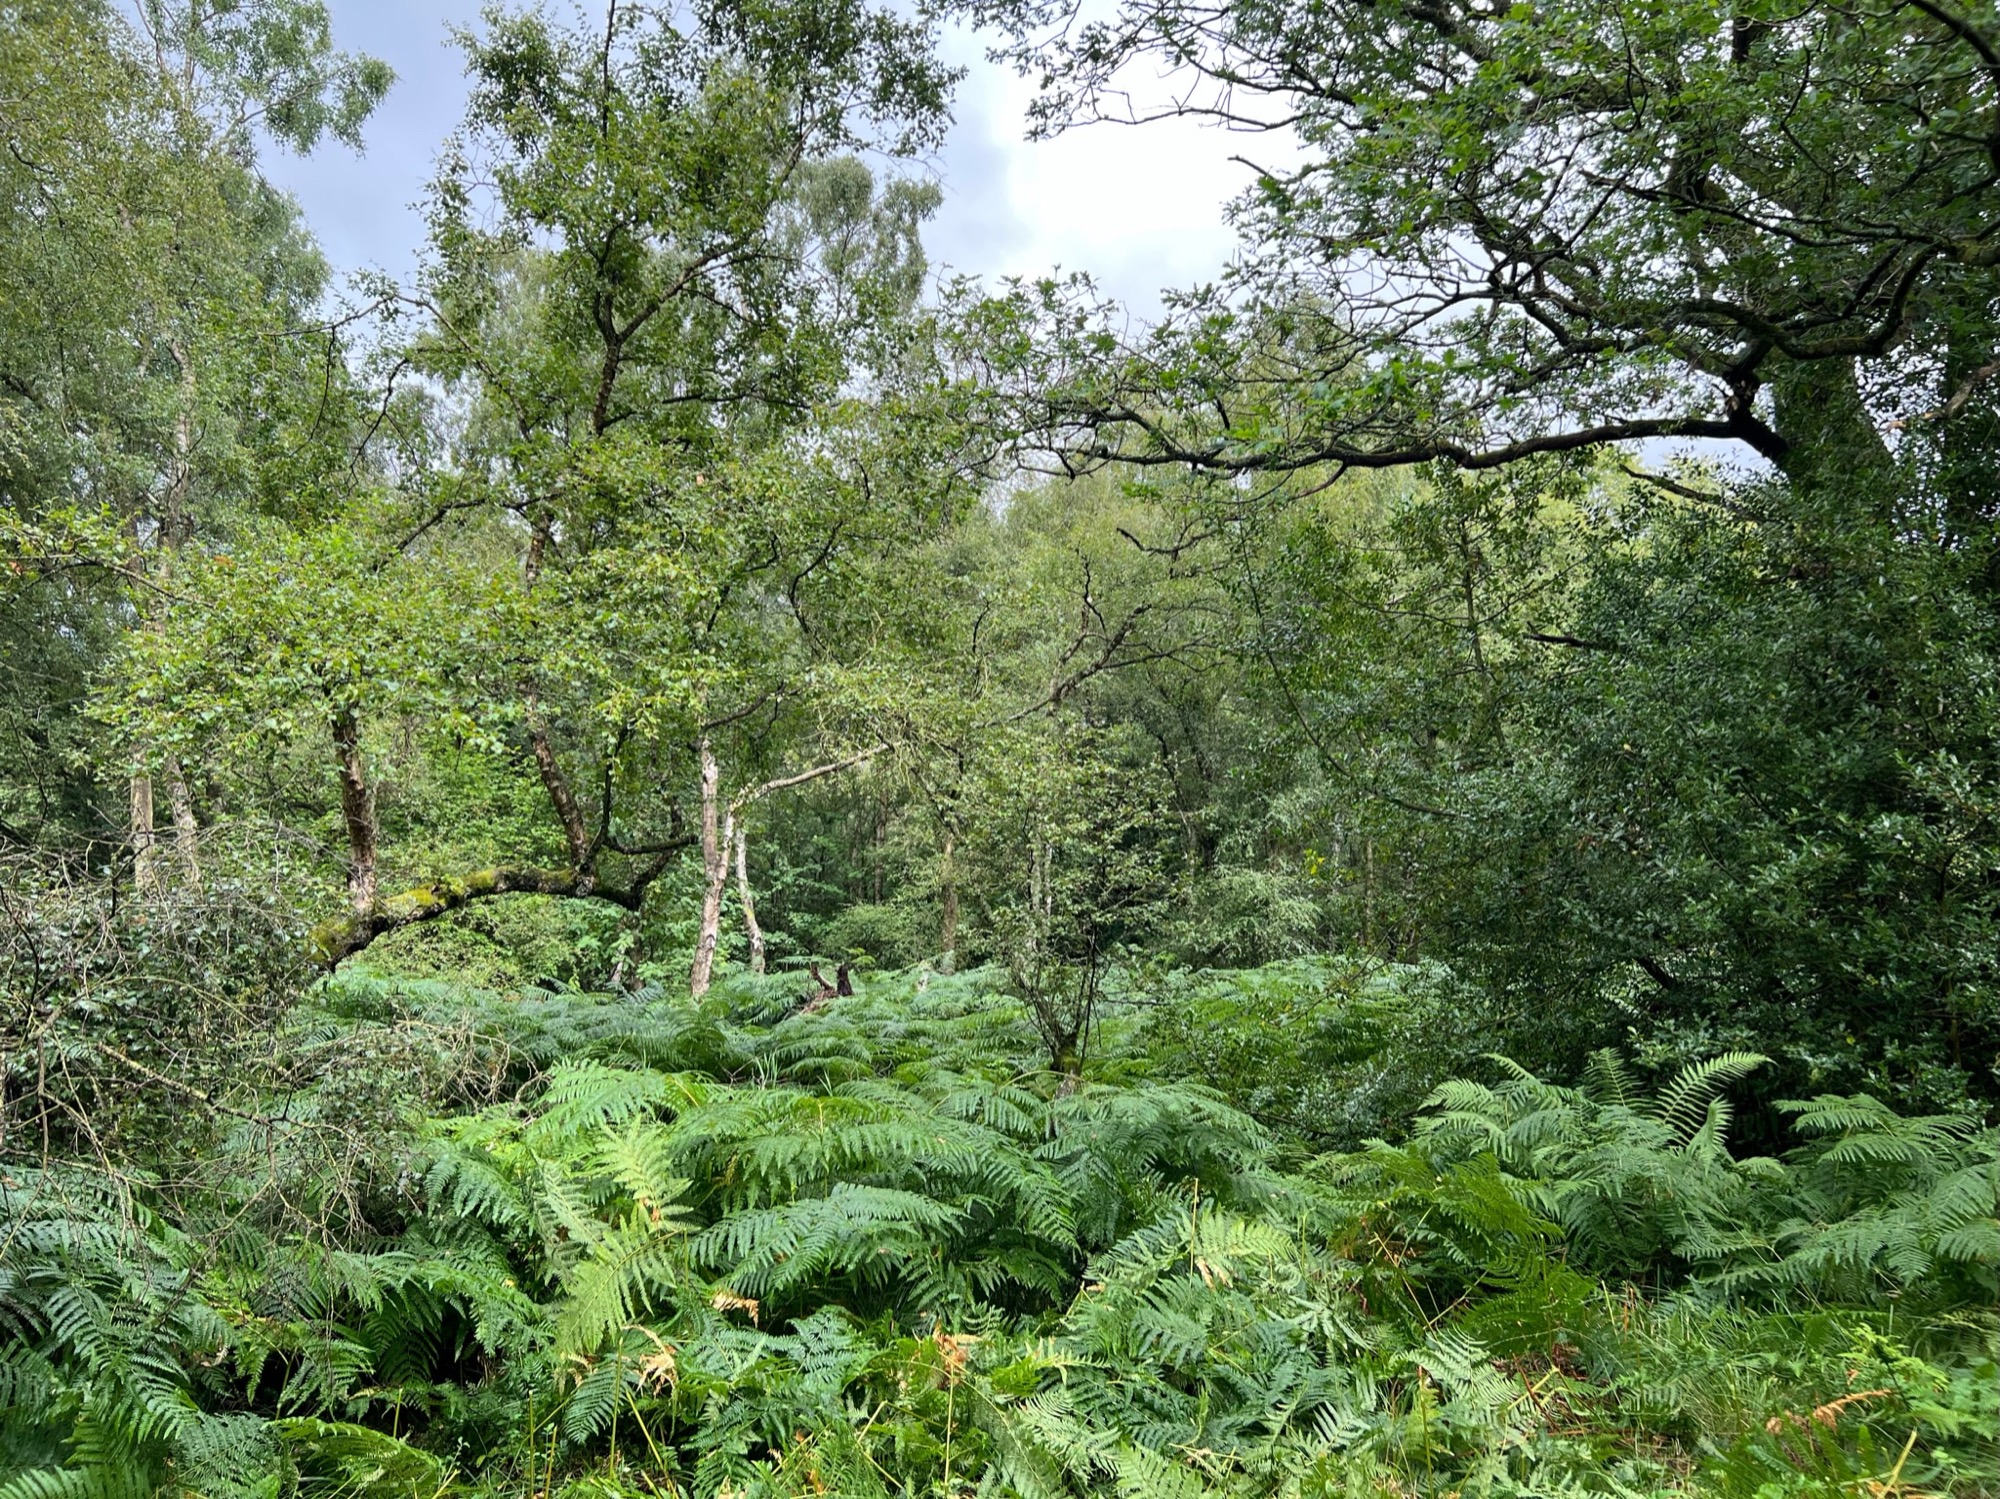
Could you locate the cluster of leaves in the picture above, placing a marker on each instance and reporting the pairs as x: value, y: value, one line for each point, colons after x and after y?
x: 634, y: 1246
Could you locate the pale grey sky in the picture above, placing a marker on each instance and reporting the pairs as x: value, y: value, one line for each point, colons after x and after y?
x: 1140, y: 209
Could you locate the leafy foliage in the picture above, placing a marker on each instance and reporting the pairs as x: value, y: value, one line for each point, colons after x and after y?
x: 1324, y: 929
x: 875, y: 1238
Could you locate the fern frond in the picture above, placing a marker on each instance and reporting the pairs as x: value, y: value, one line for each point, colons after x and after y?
x: 1608, y: 1080
x: 1683, y: 1103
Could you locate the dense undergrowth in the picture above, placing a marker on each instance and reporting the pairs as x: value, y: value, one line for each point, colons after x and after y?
x: 559, y: 1243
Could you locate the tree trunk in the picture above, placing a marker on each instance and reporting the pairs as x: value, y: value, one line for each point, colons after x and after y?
x: 145, y: 847
x: 1368, y: 895
x: 576, y: 837
x: 1490, y: 700
x: 881, y: 848
x: 1835, y: 448
x: 342, y: 937
x: 749, y: 903
x: 174, y: 528
x: 715, y: 869
x: 948, y: 920
x: 357, y: 811
x: 1069, y: 1067
x: 1969, y: 436
x: 187, y: 835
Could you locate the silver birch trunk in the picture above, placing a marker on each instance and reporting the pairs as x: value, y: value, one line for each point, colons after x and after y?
x: 749, y: 901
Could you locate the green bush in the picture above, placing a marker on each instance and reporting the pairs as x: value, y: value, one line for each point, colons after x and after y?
x: 1328, y: 1050
x: 883, y: 936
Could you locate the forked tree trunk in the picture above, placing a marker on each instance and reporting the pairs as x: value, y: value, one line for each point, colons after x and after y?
x: 148, y: 871
x: 714, y: 868
x: 749, y: 902
x: 720, y: 839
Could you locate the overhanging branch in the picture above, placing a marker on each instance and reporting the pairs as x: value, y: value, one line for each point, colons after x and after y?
x: 333, y: 941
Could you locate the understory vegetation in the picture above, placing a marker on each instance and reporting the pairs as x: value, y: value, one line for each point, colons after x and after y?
x: 458, y: 1241
x: 680, y: 857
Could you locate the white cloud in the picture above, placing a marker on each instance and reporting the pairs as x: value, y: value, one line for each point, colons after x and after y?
x: 1139, y: 208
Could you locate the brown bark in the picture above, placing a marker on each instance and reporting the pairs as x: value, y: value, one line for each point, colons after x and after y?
x: 357, y: 812
x: 569, y: 812
x: 576, y: 836
x: 538, y: 546
x: 373, y: 914
x: 749, y: 902
x: 881, y: 859
x: 715, y: 869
